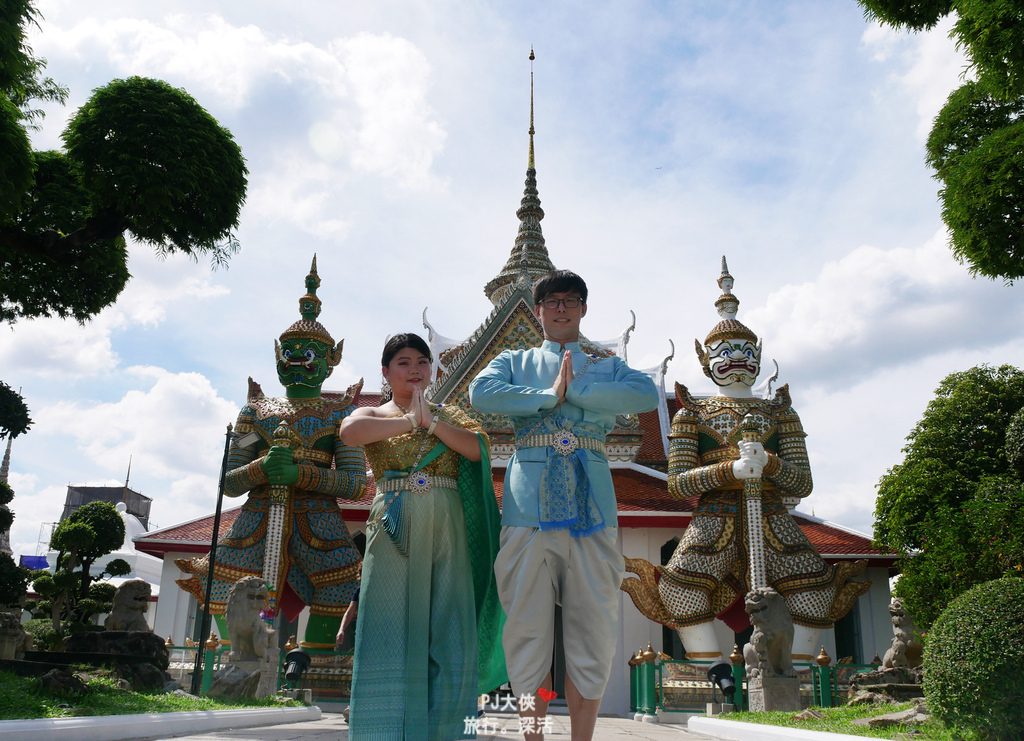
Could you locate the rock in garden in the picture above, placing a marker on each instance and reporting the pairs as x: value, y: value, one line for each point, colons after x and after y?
x: 56, y: 681
x: 910, y: 717
x: 809, y: 714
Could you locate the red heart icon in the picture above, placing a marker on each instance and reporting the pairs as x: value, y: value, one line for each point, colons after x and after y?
x: 546, y: 695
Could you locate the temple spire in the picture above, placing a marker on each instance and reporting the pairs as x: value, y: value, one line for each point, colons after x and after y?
x: 5, y: 469
x: 529, y: 165
x: 529, y: 259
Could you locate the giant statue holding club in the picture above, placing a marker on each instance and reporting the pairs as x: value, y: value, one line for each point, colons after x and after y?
x: 290, y: 463
x: 744, y: 458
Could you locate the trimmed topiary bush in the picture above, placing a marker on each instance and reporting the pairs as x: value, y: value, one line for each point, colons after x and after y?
x: 973, y: 659
x: 13, y: 581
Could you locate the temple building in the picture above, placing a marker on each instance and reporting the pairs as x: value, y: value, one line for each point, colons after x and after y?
x: 136, y: 504
x: 650, y: 520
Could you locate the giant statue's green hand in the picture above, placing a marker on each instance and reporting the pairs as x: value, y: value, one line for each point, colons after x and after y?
x: 279, y: 467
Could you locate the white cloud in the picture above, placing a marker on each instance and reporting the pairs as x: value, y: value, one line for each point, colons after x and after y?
x: 62, y: 348
x: 164, y: 429
x: 146, y: 301
x: 215, y: 57
x: 363, y: 99
x: 32, y: 509
x: 57, y: 348
x: 932, y: 67
x: 188, y: 497
x: 301, y: 193
x: 875, y: 309
x: 22, y: 481
x: 390, y: 78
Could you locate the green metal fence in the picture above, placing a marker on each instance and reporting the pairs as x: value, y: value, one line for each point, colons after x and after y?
x: 329, y: 675
x: 682, y: 686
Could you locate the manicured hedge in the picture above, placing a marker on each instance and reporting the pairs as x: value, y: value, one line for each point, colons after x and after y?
x: 974, y: 661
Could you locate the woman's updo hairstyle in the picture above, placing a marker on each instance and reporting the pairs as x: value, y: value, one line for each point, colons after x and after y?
x: 400, y: 342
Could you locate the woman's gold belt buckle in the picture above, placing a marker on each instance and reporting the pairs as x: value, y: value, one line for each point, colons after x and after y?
x: 419, y: 483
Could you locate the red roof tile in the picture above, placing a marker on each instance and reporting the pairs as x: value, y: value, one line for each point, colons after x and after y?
x: 368, y: 399
x: 190, y: 537
x: 651, y: 449
x: 831, y: 539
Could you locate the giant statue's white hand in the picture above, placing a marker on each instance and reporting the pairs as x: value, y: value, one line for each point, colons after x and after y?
x: 751, y: 462
x: 753, y: 450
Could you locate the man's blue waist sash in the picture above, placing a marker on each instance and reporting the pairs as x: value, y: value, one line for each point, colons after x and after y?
x: 566, y: 501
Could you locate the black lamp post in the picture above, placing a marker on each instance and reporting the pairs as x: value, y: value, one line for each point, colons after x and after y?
x: 204, y: 624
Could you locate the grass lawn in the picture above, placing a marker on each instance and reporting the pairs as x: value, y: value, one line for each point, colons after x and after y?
x: 839, y: 720
x: 23, y: 698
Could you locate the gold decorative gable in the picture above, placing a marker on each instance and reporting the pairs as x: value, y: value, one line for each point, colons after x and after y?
x: 519, y: 330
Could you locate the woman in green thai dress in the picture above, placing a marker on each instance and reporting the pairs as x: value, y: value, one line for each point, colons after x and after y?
x: 428, y: 638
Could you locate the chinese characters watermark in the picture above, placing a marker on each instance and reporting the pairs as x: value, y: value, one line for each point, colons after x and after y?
x: 484, y: 724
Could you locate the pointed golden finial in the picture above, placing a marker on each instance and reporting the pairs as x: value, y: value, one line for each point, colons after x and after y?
x: 532, y: 57
x: 649, y: 656
x: 736, y: 658
x: 823, y: 658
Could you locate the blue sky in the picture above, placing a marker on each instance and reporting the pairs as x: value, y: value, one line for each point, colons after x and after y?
x: 390, y: 138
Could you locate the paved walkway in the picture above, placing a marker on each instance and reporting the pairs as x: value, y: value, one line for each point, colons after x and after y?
x: 332, y: 727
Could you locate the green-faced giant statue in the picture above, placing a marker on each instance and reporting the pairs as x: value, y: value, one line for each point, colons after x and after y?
x: 290, y: 531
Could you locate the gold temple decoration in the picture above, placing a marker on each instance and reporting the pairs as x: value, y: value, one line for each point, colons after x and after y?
x: 649, y: 656
x: 736, y: 657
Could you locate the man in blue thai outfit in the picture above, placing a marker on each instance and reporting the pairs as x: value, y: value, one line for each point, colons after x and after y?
x: 559, y: 522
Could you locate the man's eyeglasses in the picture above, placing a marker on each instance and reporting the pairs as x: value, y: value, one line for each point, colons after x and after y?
x: 569, y: 302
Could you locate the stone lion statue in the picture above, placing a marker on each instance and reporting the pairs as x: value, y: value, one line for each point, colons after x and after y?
x: 131, y: 601
x: 251, y: 639
x: 770, y: 650
x: 904, y: 651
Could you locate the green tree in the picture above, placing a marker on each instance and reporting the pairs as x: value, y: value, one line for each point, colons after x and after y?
x: 13, y: 581
x: 14, y: 419
x: 976, y: 146
x: 962, y: 548
x: 90, y: 532
x: 959, y: 440
x: 973, y: 681
x: 955, y: 505
x: 141, y: 158
x: 6, y: 516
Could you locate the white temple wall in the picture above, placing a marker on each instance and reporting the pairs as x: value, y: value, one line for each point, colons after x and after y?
x: 174, y: 609
x: 875, y: 621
